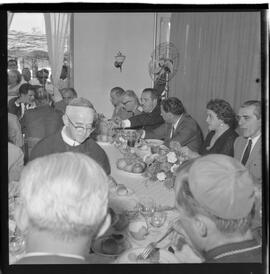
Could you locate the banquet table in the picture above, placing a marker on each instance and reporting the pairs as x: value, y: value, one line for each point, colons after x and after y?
x: 139, y: 187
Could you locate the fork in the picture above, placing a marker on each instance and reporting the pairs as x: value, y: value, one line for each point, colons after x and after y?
x: 150, y: 247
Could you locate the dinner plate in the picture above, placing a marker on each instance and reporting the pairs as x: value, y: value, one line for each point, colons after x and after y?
x: 166, y: 257
x: 97, y: 246
x: 103, y: 143
x: 131, y: 173
x: 154, y: 142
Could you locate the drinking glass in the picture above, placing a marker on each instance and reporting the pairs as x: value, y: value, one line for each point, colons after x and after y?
x: 158, y: 218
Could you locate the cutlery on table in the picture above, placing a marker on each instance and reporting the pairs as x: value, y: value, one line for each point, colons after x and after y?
x: 152, y: 246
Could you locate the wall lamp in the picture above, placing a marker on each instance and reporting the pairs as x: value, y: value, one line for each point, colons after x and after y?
x: 119, y: 60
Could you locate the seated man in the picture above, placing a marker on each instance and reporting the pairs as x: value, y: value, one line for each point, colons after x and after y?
x: 179, y: 126
x: 26, y: 76
x: 41, y: 121
x: 216, y: 199
x: 150, y: 118
x: 131, y: 103
x: 119, y: 112
x: 42, y: 79
x: 68, y: 94
x: 249, y: 117
x: 59, y: 228
x: 26, y: 100
x: 79, y: 120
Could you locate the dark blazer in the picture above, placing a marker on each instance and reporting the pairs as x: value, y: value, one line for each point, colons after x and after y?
x: 147, y: 121
x: 41, y: 122
x: 223, y: 145
x: 254, y: 162
x: 187, y: 133
x: 12, y: 108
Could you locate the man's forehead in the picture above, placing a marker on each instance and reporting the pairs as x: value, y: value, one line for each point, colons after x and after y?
x: 146, y: 95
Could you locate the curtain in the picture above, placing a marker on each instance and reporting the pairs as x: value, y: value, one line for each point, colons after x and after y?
x: 57, y: 25
x: 10, y: 17
x: 219, y: 58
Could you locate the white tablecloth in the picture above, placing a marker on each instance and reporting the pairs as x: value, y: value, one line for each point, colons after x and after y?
x: 139, y: 184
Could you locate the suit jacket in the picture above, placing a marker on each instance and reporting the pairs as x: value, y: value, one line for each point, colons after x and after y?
x: 147, y: 121
x: 254, y: 162
x: 41, y: 122
x: 12, y: 108
x: 187, y: 133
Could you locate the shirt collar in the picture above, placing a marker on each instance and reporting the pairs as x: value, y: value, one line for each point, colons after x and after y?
x: 67, y: 139
x: 177, y: 122
x: 255, y: 139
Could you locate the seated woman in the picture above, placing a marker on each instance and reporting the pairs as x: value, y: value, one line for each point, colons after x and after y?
x: 220, y: 139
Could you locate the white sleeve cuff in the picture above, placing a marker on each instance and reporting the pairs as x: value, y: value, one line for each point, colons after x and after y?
x: 143, y: 134
x: 126, y: 123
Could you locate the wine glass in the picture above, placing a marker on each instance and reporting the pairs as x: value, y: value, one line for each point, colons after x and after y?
x: 146, y: 208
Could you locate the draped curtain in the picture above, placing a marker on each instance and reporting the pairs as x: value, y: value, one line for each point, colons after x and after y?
x: 57, y: 25
x: 219, y: 58
x: 10, y: 17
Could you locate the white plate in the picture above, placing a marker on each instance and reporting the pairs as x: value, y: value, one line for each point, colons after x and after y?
x: 154, y: 142
x: 125, y: 244
x: 166, y: 257
x: 131, y: 173
x: 103, y: 143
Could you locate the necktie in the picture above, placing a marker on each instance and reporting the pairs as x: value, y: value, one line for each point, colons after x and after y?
x: 247, y: 152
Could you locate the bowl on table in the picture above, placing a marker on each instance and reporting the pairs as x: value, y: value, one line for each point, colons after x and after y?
x: 111, y: 245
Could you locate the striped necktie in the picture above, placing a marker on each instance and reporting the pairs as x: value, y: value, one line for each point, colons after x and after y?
x: 247, y: 152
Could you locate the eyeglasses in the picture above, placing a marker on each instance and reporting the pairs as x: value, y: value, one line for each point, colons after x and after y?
x: 80, y: 127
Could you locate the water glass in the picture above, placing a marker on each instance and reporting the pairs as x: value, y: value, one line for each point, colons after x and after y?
x: 158, y: 218
x: 146, y: 206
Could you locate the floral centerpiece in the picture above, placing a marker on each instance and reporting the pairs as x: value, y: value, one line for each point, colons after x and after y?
x: 163, y: 164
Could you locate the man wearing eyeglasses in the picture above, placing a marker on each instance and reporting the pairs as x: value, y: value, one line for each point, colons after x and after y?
x: 79, y: 119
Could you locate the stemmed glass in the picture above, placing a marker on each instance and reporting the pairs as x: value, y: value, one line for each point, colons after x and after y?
x: 147, y: 208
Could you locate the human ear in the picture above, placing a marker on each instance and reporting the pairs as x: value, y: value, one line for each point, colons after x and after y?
x: 200, y: 226
x: 65, y: 120
x: 21, y: 218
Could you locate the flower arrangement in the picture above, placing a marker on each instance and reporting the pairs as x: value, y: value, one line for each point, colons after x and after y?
x: 163, y: 164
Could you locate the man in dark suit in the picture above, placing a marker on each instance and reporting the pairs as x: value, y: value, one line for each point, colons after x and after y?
x: 26, y: 100
x: 150, y: 118
x: 179, y: 126
x: 41, y: 121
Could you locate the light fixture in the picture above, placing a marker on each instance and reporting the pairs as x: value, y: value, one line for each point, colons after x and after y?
x: 119, y: 60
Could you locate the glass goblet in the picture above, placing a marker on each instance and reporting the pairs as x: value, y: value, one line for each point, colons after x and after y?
x: 158, y: 218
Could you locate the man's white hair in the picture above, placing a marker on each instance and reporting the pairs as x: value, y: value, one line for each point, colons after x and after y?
x: 65, y: 194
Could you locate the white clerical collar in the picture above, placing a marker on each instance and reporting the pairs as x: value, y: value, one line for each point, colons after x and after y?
x: 33, y: 254
x: 67, y: 139
x: 177, y: 122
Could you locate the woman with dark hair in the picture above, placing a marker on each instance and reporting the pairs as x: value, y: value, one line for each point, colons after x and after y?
x: 221, y: 120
